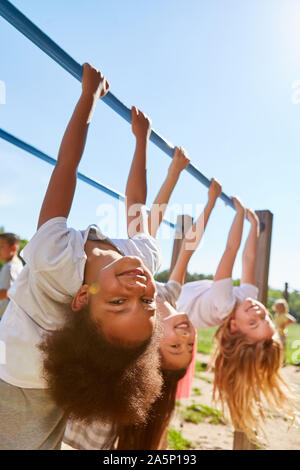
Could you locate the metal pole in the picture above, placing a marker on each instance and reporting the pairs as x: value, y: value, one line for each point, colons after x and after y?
x: 92, y: 182
x: 46, y: 44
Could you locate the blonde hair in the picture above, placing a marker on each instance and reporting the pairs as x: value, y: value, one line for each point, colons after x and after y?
x: 245, y: 373
x: 282, y: 303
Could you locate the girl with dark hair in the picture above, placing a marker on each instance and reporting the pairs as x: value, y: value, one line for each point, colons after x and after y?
x: 83, y: 309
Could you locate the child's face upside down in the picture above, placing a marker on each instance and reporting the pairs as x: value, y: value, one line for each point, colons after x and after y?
x: 252, y: 318
x: 176, y: 345
x: 122, y: 300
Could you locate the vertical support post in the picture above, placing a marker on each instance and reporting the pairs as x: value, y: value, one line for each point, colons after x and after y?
x: 183, y: 224
x: 286, y: 292
x: 240, y: 441
x: 263, y: 255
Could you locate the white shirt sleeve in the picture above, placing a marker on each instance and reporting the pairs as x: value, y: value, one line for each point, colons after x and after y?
x: 169, y: 291
x: 148, y: 250
x: 5, y: 277
x: 245, y: 290
x: 223, y: 298
x: 173, y: 289
x: 56, y: 253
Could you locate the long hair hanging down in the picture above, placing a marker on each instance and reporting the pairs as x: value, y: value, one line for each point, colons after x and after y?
x: 247, y: 375
x: 151, y: 435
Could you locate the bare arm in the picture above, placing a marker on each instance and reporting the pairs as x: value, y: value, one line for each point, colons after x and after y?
x: 136, y: 188
x: 61, y: 188
x: 225, y: 267
x: 249, y: 253
x: 179, y: 162
x: 290, y: 319
x: 194, y: 235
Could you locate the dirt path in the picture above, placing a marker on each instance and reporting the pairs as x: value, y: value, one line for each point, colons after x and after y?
x: 208, y: 436
x: 205, y: 435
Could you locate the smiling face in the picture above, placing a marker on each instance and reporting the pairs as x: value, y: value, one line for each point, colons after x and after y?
x: 252, y: 318
x: 122, y: 300
x: 176, y: 345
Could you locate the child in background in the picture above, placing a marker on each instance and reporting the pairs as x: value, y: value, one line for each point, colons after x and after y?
x: 282, y: 319
x: 72, y: 347
x: 9, y: 246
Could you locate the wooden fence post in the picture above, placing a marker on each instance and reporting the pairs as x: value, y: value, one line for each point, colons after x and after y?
x: 183, y: 224
x: 240, y: 441
x: 286, y: 292
x: 263, y: 255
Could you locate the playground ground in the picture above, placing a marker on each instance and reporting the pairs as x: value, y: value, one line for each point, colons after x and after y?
x: 212, y: 432
x: 198, y: 425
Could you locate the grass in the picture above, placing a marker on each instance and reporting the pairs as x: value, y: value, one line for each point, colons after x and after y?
x: 205, y: 338
x: 199, y: 413
x: 205, y: 379
x: 200, y: 366
x: 293, y: 351
x: 197, y: 391
x: 176, y: 441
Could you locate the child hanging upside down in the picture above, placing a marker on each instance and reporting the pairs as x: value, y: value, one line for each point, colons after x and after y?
x: 74, y: 346
x: 249, y: 353
x: 99, y: 435
x: 246, y: 331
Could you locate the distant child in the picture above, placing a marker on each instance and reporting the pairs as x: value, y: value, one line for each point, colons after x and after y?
x: 9, y: 245
x: 282, y: 319
x: 81, y: 329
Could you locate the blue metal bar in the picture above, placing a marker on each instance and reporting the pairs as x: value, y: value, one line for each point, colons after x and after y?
x: 92, y: 182
x: 44, y: 42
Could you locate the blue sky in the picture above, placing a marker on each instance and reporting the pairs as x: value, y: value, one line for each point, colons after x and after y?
x: 214, y: 76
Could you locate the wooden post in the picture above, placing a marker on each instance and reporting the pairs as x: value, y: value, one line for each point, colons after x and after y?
x: 240, y: 441
x: 286, y: 292
x: 183, y: 224
x: 263, y: 255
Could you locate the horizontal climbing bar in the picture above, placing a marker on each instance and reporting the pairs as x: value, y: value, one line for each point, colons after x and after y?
x: 92, y: 182
x: 46, y: 44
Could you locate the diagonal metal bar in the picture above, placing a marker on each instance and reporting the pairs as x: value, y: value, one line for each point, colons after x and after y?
x: 43, y: 156
x: 15, y: 17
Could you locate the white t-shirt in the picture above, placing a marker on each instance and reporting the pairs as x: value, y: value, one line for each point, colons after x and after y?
x: 208, y: 303
x: 42, y: 294
x: 169, y: 291
x: 8, y: 274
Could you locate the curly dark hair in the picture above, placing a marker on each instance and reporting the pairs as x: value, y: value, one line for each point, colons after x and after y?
x: 91, y: 379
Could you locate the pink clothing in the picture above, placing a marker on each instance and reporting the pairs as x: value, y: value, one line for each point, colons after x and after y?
x: 184, y: 386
